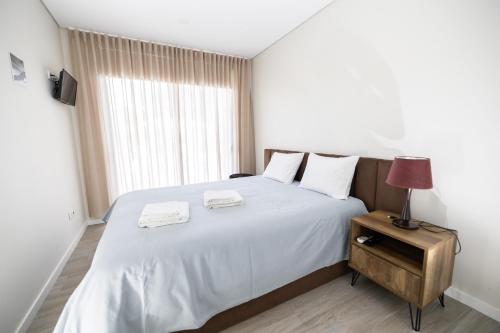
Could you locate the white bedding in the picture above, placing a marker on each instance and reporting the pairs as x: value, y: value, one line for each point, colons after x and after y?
x: 178, y: 276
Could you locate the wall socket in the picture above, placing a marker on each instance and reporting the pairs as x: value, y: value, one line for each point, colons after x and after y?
x: 71, y: 214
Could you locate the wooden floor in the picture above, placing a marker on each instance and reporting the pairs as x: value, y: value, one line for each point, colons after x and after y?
x: 72, y: 274
x: 334, y: 307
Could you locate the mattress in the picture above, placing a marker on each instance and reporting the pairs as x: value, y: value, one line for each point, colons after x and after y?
x: 178, y: 276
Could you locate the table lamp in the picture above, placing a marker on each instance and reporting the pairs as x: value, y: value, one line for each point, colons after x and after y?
x: 409, y: 173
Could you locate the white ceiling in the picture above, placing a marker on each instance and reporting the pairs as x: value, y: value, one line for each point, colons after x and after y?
x: 236, y: 27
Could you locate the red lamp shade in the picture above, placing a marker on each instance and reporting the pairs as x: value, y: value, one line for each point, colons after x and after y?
x: 410, y: 172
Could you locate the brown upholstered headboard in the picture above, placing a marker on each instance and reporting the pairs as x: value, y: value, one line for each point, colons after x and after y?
x: 368, y: 184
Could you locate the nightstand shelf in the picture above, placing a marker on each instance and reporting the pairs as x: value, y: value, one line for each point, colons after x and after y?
x: 416, y: 265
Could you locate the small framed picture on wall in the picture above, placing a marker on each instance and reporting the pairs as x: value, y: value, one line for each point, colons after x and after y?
x: 18, y: 72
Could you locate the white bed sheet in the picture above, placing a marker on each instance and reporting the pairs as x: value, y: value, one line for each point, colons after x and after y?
x: 178, y: 276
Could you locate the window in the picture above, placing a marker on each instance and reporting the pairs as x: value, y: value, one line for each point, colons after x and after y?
x: 161, y: 133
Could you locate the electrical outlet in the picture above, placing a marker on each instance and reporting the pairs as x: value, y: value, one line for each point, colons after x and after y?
x: 71, y: 215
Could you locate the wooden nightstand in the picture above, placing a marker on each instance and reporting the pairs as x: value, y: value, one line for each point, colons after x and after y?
x: 416, y: 265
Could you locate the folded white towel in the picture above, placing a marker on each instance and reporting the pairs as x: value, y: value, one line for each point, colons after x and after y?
x: 164, y: 213
x: 223, y: 198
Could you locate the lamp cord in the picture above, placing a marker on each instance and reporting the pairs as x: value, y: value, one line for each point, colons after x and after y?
x: 432, y: 228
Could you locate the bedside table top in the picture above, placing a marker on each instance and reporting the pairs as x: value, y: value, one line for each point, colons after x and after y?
x: 240, y: 175
x: 421, y: 238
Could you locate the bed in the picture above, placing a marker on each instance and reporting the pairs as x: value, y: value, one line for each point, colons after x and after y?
x: 225, y: 264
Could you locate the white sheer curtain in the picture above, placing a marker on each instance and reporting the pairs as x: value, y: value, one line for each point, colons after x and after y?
x: 160, y: 133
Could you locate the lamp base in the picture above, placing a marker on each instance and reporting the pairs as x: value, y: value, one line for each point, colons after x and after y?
x: 405, y: 224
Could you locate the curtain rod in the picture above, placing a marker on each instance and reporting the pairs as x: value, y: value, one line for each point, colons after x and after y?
x: 158, y: 43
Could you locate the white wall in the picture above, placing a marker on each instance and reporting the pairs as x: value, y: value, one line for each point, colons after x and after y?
x: 388, y: 77
x: 39, y: 180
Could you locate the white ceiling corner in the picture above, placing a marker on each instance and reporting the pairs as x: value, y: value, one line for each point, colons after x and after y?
x: 236, y: 27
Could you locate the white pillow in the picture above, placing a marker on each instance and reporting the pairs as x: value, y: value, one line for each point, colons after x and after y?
x: 283, y: 167
x: 329, y: 175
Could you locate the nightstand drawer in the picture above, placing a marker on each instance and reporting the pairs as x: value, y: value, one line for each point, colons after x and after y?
x: 394, y: 278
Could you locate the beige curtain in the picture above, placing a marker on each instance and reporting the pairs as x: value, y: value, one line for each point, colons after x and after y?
x: 175, y: 102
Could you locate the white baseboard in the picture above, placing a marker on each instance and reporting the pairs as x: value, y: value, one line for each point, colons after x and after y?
x: 475, y: 303
x: 37, y: 303
x: 94, y: 221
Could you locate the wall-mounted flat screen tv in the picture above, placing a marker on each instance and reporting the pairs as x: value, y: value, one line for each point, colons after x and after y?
x: 65, y: 88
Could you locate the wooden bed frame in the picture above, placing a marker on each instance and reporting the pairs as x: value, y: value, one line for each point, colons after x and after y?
x: 369, y: 186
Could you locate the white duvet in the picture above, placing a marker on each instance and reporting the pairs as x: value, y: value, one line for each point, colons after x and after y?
x: 178, y: 276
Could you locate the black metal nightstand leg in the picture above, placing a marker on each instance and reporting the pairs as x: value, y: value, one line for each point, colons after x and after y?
x: 355, y: 276
x: 441, y: 299
x: 418, y: 317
